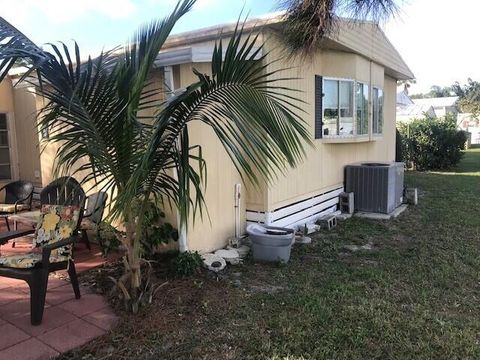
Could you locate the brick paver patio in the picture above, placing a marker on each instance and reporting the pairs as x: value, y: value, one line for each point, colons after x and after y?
x: 67, y: 322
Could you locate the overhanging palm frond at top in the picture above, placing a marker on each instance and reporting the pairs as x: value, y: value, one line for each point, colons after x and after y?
x: 307, y: 22
x: 16, y: 46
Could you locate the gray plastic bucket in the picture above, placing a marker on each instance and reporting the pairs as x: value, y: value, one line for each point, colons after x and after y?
x: 270, y: 243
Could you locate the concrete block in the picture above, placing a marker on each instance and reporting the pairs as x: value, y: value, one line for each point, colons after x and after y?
x: 328, y: 221
x: 411, y: 196
x: 347, y: 202
x: 343, y: 217
x: 380, y: 216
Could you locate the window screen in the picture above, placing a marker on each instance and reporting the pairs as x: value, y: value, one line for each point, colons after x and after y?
x: 362, y: 108
x: 377, y: 110
x: 5, y: 171
x: 337, y: 107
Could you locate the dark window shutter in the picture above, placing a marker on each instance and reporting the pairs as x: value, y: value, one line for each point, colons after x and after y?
x: 318, y: 106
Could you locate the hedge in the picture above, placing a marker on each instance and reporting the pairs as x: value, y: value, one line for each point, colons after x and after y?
x: 432, y: 144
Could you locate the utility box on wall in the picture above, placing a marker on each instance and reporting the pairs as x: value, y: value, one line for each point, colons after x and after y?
x: 377, y: 187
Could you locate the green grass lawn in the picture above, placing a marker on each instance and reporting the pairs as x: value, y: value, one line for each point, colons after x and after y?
x: 415, y: 295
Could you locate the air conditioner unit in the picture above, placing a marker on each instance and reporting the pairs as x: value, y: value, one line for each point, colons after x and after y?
x: 377, y: 187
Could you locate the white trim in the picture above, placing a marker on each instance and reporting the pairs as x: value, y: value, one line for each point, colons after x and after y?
x: 338, y: 78
x: 169, y: 81
x: 194, y: 54
x: 300, y: 213
x: 338, y: 96
x: 256, y: 216
x: 12, y: 134
x: 312, y: 219
x: 307, y: 213
x: 308, y: 203
x: 12, y: 146
x: 355, y: 137
x: 347, y: 140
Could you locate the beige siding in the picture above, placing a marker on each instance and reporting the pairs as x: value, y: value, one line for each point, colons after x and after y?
x: 323, y: 168
x: 6, y: 96
x: 369, y: 40
x: 211, y: 234
x: 27, y: 135
x: 378, y: 75
x: 47, y: 155
x: 7, y: 106
x: 156, y: 82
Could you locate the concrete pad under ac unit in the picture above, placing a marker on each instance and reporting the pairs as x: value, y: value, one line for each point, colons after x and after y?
x: 380, y: 216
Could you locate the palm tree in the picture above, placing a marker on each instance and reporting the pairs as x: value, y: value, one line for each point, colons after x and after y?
x: 307, y: 22
x: 94, y: 108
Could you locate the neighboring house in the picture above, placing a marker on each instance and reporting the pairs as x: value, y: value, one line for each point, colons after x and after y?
x: 407, y: 110
x: 470, y: 123
x: 19, y: 141
x: 441, y: 105
x: 402, y: 97
x: 349, y: 87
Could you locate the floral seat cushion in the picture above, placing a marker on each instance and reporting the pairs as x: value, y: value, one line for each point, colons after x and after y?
x: 10, y: 208
x: 28, y: 260
x: 55, y: 223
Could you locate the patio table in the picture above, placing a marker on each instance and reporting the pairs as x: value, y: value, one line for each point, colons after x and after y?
x: 27, y: 217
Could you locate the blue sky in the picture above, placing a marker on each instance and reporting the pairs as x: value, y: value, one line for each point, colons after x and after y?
x: 437, y: 39
x: 97, y: 23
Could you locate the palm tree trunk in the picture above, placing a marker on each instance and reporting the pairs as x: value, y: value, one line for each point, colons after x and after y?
x: 182, y: 235
x: 133, y: 257
x: 181, y: 218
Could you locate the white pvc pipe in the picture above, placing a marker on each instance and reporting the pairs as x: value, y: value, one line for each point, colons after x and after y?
x: 182, y: 231
x: 237, y: 194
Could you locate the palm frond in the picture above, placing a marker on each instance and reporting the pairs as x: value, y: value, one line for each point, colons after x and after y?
x: 308, y: 22
x: 15, y: 47
x: 255, y: 118
x: 92, y: 107
x: 93, y: 112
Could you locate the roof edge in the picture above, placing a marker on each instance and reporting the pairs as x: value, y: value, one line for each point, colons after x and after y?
x: 276, y: 19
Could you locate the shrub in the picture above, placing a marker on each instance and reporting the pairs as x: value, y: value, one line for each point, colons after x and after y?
x: 398, y: 147
x: 432, y: 144
x: 187, y: 263
x: 108, y: 237
x: 156, y: 230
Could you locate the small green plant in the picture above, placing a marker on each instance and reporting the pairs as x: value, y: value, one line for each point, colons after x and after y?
x: 398, y: 147
x: 156, y: 230
x: 108, y: 237
x: 187, y: 263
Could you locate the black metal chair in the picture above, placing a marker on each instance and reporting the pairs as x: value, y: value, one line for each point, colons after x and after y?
x: 64, y: 190
x: 62, y: 198
x: 93, y: 214
x: 18, y: 197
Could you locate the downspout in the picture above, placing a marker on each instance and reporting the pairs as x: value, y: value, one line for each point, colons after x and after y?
x: 182, y: 231
x: 168, y: 80
x: 370, y: 106
x: 237, y: 210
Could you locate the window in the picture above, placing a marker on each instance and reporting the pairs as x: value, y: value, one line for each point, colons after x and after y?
x: 337, y: 107
x: 377, y: 111
x: 361, y: 100
x: 5, y: 171
x: 345, y: 108
x: 45, y: 133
